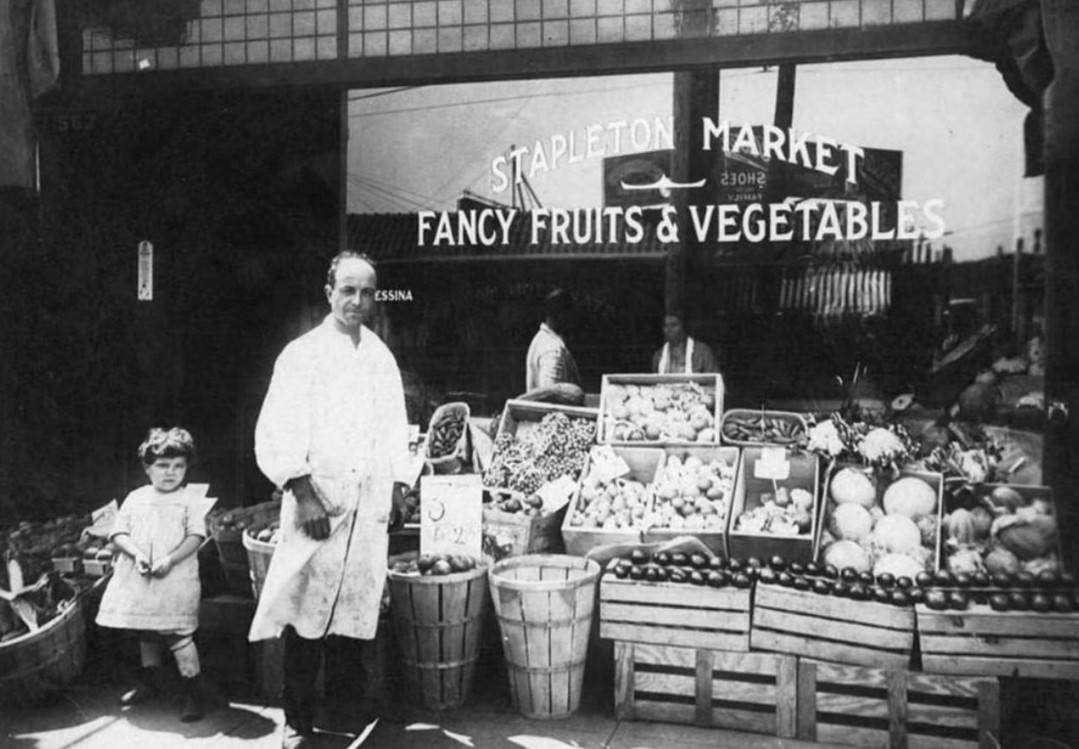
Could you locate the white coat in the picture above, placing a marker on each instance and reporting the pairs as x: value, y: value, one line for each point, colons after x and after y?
x: 334, y: 411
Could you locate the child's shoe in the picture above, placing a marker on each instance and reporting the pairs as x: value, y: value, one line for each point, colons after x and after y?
x: 146, y: 687
x: 194, y: 701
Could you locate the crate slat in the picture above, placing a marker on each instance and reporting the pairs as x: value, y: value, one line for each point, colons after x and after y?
x: 828, y: 733
x: 674, y: 594
x: 692, y: 638
x: 983, y: 620
x: 849, y: 631
x: 1002, y: 646
x: 996, y: 666
x: 680, y: 617
x: 839, y: 609
x: 822, y: 650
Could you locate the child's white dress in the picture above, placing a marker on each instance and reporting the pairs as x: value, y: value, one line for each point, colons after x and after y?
x: 157, y: 522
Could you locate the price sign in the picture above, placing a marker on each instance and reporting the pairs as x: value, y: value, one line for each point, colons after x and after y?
x: 451, y: 520
x: 773, y: 464
x: 607, y: 464
x: 556, y: 493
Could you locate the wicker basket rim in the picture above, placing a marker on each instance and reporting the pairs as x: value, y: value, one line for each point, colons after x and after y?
x: 61, y: 620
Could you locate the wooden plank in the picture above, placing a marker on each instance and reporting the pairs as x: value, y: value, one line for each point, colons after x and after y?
x: 866, y: 612
x: 674, y: 594
x: 802, y: 646
x: 624, y: 677
x: 850, y: 704
x: 807, y: 701
x: 897, y: 709
x: 744, y: 720
x: 829, y: 733
x: 764, y: 664
x: 690, y: 638
x: 852, y: 632
x: 988, y: 714
x: 919, y: 741
x: 665, y: 615
x: 668, y: 712
x: 983, y: 620
x: 1016, y: 667
x: 786, y: 699
x: 681, y: 685
x: 665, y: 655
x: 703, y: 684
x: 942, y: 715
x: 953, y: 686
x: 837, y: 673
x: 1000, y: 646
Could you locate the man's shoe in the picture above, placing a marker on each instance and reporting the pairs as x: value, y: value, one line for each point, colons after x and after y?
x: 146, y: 687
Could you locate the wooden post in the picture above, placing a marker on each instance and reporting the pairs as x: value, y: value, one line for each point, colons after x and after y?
x: 696, y: 96
x: 1061, y: 24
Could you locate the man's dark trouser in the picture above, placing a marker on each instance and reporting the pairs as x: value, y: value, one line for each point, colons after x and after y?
x: 343, y: 678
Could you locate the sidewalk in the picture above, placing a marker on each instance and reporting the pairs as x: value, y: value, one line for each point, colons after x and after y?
x: 88, y: 716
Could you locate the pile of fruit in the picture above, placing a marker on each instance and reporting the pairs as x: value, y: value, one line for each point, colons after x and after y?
x: 412, y: 505
x: 691, y: 494
x: 444, y: 436
x: 896, y: 535
x: 846, y: 582
x: 786, y: 511
x: 532, y: 505
x: 679, y: 567
x: 434, y: 564
x: 43, y: 541
x: 676, y: 412
x: 1001, y: 533
x: 1002, y: 591
x: 610, y: 504
x: 268, y: 534
x: 557, y: 447
x: 763, y: 428
x: 89, y: 548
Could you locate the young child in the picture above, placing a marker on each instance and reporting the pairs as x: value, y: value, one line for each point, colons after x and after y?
x: 155, y: 585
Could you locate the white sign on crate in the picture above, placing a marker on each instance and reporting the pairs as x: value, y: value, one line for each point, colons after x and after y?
x: 773, y: 464
x: 451, y: 520
x: 607, y: 465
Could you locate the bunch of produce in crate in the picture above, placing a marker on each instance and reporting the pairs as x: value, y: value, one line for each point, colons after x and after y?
x: 784, y: 511
x: 38, y: 542
x: 692, y: 494
x: 28, y: 606
x: 1004, y: 591
x: 268, y: 534
x: 1002, y: 533
x: 444, y: 436
x: 610, y: 503
x: 434, y: 564
x: 664, y: 412
x: 695, y: 568
x: 745, y: 427
x: 846, y: 582
x: 894, y: 534
x: 876, y: 446
x: 528, y: 459
x: 531, y: 505
x: 412, y: 505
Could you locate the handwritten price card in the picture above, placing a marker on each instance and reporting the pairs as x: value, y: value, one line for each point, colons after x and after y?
x: 773, y: 464
x: 451, y: 520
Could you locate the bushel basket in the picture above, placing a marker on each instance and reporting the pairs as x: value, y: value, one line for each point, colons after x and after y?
x: 37, y: 664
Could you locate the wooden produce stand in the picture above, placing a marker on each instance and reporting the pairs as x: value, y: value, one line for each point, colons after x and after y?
x: 832, y: 629
x: 999, y: 643
x: 863, y: 706
x: 740, y: 691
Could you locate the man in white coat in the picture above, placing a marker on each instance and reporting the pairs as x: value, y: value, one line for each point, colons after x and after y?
x: 333, y: 435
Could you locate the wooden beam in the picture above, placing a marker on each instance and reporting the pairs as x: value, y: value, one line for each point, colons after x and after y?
x: 829, y: 45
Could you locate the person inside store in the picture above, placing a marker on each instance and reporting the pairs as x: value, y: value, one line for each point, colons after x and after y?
x: 155, y: 586
x: 332, y: 435
x: 549, y: 361
x: 681, y: 354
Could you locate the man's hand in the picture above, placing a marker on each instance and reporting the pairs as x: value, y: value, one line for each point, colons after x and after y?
x: 398, y: 510
x: 310, y: 514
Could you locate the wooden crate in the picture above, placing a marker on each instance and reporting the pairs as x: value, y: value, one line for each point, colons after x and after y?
x: 999, y: 643
x: 831, y: 629
x: 803, y: 474
x: 796, y: 421
x: 709, y: 688
x: 643, y: 463
x: 714, y: 539
x: 674, y: 614
x: 872, y: 707
x: 714, y: 381
x: 518, y: 414
x: 514, y: 534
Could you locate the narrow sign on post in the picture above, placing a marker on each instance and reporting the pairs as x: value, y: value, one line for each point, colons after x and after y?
x: 146, y: 271
x: 452, y: 518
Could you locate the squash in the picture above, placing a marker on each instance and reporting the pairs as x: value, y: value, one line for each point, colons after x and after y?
x: 851, y: 521
x: 853, y: 486
x: 910, y: 496
x: 1029, y: 537
x: 960, y: 526
x: 1001, y: 561
x: 983, y: 521
x: 843, y: 554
